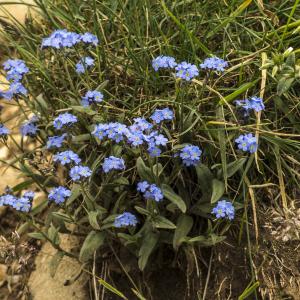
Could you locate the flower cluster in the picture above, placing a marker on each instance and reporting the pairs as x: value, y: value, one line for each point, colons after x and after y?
x: 56, y: 141
x: 125, y: 219
x: 215, y: 64
x: 186, y: 71
x: 4, y: 131
x: 67, y: 157
x: 113, y: 163
x: 91, y: 97
x: 78, y: 173
x: 59, y: 194
x: 247, y: 142
x: 84, y: 63
x: 150, y: 191
x: 65, y: 119
x: 160, y: 115
x: 190, y: 155
x: 254, y: 103
x: 163, y: 62
x: 138, y: 133
x: 224, y: 209
x: 21, y: 204
x: 29, y: 128
x: 62, y: 38
x: 16, y: 69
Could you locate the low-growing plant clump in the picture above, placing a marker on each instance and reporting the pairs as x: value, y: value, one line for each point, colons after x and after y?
x: 150, y: 150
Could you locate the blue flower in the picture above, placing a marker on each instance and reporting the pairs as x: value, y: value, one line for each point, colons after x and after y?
x: 160, y: 115
x: 254, y: 103
x: 59, y: 194
x: 17, y: 66
x: 224, y: 209
x: 160, y: 140
x: 135, y: 139
x: 67, y: 157
x: 3, y: 130
x: 7, y: 199
x: 100, y: 131
x: 61, y: 38
x: 14, y: 76
x: 113, y: 163
x: 89, y: 38
x: 29, y: 194
x: 142, y: 186
x: 84, y: 63
x: 55, y: 141
x: 154, y: 151
x: 140, y: 124
x: 91, y: 97
x: 65, y: 119
x: 125, y: 219
x: 190, y: 155
x: 162, y: 62
x: 15, y: 89
x: 214, y: 63
x: 154, y: 193
x: 247, y: 142
x: 114, y: 131
x: 186, y: 71
x: 20, y: 204
x: 80, y: 172
x: 150, y: 191
x: 29, y: 128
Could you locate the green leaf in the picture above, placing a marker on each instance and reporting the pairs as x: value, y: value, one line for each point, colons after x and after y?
x: 144, y: 171
x: 76, y: 192
x: 86, y: 110
x: 284, y: 84
x: 207, y: 241
x: 235, y: 166
x: 238, y: 91
x: 91, y: 243
x: 205, y: 178
x: 142, y: 211
x: 37, y: 236
x: 92, y: 215
x: 162, y: 222
x: 81, y: 138
x: 54, y: 262
x: 222, y: 143
x: 149, y: 242
x: 291, y: 60
x: 173, y: 197
x: 249, y: 291
x: 112, y: 289
x: 218, y: 189
x: 184, y: 225
x: 64, y: 217
x: 53, y: 235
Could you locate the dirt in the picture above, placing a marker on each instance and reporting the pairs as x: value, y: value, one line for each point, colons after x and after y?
x: 44, y: 286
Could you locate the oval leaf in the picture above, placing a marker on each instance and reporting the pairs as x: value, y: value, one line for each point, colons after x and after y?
x: 184, y: 225
x: 92, y: 242
x: 218, y: 188
x: 162, y: 222
x: 173, y: 197
x: 149, y: 243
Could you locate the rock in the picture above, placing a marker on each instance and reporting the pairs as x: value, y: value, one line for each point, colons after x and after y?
x: 43, y: 286
x: 3, y: 275
x: 16, y: 11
